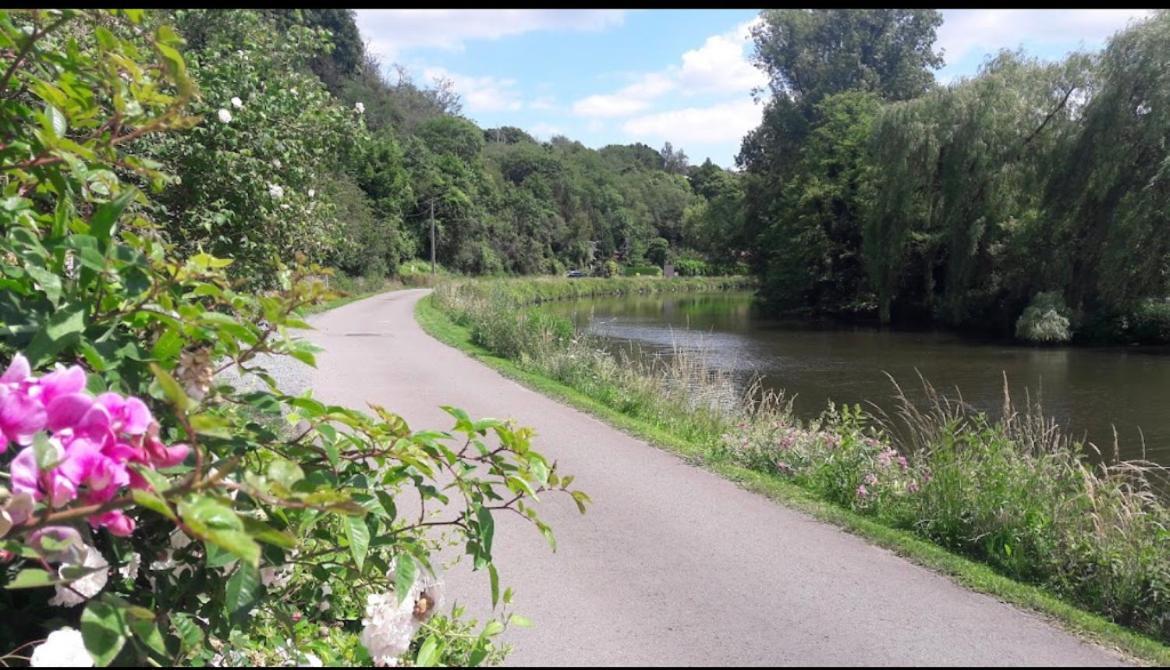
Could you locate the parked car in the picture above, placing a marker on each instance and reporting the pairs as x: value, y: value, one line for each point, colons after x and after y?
x: 573, y: 274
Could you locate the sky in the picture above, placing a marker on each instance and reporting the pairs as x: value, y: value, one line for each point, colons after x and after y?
x: 684, y: 76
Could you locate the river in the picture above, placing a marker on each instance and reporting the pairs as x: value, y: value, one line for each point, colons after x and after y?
x: 1089, y: 391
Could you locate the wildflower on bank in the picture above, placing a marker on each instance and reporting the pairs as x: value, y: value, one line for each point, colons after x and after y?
x: 361, y: 108
x: 224, y: 116
x: 237, y: 103
x: 276, y: 191
x: 64, y: 648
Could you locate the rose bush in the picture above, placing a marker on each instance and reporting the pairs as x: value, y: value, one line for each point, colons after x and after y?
x: 151, y: 510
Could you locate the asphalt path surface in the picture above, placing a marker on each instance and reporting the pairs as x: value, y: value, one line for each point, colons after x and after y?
x: 672, y: 565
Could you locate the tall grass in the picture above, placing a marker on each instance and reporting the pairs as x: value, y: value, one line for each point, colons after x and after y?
x: 1016, y: 492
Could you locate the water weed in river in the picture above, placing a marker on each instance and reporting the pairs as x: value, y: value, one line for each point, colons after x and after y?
x: 1015, y: 492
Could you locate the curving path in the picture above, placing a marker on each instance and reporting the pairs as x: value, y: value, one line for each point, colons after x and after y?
x: 672, y: 564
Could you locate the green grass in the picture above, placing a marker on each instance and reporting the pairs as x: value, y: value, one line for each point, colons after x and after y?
x: 698, y: 448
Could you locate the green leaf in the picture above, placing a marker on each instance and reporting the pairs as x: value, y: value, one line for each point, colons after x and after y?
x: 102, y: 224
x: 49, y: 282
x: 148, y: 634
x: 486, y: 530
x: 580, y: 498
x: 358, y: 534
x: 171, y: 388
x: 158, y: 482
x: 190, y: 634
x: 285, y: 471
x: 495, y: 580
x: 153, y: 502
x: 479, y: 652
x: 522, y: 622
x: 404, y: 574
x: 32, y: 578
x: 238, y: 543
x: 103, y: 630
x: 58, y: 121
x: 56, y: 335
x: 428, y: 653
x: 242, y: 592
x: 269, y: 535
x: 493, y: 628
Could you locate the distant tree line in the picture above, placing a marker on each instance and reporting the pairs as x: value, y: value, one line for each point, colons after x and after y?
x: 330, y: 155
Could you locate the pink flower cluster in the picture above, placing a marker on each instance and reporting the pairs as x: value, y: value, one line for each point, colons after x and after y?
x: 95, y: 440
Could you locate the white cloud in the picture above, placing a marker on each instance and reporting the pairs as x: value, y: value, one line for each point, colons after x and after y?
x: 721, y: 122
x: 977, y: 31
x: 543, y: 103
x: 389, y: 32
x: 719, y: 66
x: 631, y: 99
x: 480, y: 94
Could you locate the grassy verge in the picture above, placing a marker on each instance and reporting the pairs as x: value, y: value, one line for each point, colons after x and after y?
x: 695, y: 440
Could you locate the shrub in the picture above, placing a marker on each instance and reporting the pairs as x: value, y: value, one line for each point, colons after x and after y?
x: 692, y: 267
x: 1150, y: 323
x: 1045, y: 319
x: 242, y: 523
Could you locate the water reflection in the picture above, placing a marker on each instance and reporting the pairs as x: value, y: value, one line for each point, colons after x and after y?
x: 1088, y: 390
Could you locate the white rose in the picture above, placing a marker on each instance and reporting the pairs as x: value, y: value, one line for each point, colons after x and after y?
x: 237, y: 103
x: 312, y: 193
x: 276, y: 163
x: 224, y: 116
x: 361, y: 108
x: 64, y: 648
x: 276, y: 191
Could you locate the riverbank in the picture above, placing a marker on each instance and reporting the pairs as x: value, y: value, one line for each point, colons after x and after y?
x: 1013, y: 495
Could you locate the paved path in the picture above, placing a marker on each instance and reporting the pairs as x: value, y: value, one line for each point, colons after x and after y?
x: 672, y: 564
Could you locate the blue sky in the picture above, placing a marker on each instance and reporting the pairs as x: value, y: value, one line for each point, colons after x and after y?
x: 684, y: 76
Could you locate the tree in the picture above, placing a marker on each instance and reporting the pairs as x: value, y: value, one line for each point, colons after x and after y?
x: 673, y: 161
x: 809, y: 54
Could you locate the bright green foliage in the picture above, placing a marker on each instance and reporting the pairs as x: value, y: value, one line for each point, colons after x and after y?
x: 810, y: 54
x: 1044, y: 320
x: 323, y: 494
x: 247, y: 187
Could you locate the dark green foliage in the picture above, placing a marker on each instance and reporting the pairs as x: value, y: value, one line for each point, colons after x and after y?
x: 870, y: 190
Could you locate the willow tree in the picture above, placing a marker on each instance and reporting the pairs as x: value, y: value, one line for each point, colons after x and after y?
x: 959, y: 184
x: 1108, y: 204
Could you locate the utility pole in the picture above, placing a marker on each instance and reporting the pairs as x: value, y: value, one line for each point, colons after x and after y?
x: 432, y: 237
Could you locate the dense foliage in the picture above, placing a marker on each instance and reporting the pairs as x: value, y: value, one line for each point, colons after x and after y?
x: 163, y: 500
x: 312, y: 148
x: 871, y: 190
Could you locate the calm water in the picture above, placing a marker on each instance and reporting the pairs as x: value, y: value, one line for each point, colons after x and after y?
x: 1086, y: 390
